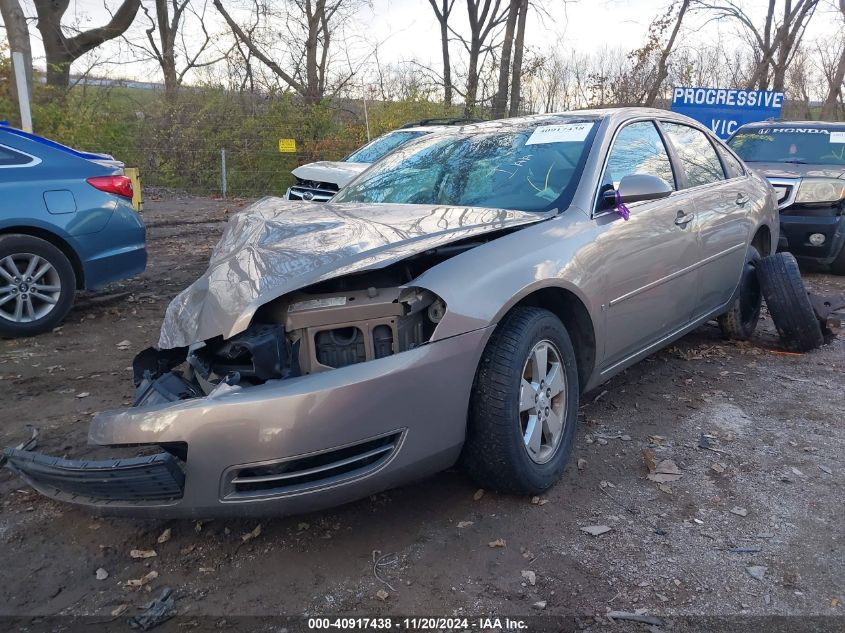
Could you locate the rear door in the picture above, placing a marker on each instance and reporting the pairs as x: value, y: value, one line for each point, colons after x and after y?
x: 650, y: 270
x: 720, y: 194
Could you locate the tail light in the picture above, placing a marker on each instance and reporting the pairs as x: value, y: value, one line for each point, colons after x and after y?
x: 118, y: 185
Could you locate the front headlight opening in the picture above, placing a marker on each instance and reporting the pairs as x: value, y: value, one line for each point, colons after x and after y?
x: 815, y: 190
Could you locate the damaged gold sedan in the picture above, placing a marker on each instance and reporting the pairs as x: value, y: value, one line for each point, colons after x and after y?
x: 449, y: 305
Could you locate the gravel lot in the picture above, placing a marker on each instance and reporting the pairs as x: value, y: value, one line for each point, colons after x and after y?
x: 753, y: 527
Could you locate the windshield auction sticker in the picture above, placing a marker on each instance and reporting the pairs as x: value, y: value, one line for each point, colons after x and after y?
x: 837, y: 137
x: 562, y: 133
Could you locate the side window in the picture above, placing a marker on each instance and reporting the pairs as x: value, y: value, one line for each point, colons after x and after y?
x: 638, y: 149
x: 11, y: 158
x: 696, y: 153
x: 734, y: 167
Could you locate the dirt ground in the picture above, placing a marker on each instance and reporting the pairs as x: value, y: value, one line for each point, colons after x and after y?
x: 766, y: 498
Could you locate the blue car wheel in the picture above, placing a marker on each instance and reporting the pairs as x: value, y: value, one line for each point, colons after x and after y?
x: 37, y: 285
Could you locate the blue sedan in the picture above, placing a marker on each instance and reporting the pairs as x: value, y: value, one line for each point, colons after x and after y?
x: 66, y: 224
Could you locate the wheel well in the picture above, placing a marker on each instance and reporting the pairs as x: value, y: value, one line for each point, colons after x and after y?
x: 763, y: 241
x: 56, y: 241
x: 574, y: 315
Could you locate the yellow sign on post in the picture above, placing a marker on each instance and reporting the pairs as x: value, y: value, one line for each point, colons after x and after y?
x: 134, y: 174
x: 287, y: 145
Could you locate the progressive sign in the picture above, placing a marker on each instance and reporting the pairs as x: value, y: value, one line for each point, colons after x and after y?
x: 723, y: 110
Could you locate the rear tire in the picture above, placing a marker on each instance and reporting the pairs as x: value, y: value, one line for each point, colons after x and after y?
x: 37, y: 285
x: 525, y: 388
x: 786, y: 296
x: 740, y: 321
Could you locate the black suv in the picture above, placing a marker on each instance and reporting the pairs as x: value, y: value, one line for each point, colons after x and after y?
x: 805, y: 162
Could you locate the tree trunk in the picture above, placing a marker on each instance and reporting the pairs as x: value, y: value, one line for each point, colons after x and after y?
x: 519, y: 48
x: 18, y: 36
x: 835, y: 94
x: 167, y: 56
x: 500, y: 101
x: 447, y: 64
x: 62, y: 51
x: 472, y: 78
x: 662, y: 63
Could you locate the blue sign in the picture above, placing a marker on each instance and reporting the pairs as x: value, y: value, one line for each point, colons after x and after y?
x: 723, y: 110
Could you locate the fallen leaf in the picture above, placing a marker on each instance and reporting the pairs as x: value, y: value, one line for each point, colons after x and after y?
x: 662, y: 478
x: 535, y: 500
x: 164, y: 537
x: 119, y: 610
x: 83, y: 394
x: 718, y: 467
x: 124, y: 344
x: 143, y: 553
x: 582, y: 463
x: 739, y: 511
x: 650, y: 461
x: 382, y: 595
x: 668, y: 467
x: 595, y: 530
x: 664, y: 488
x: 101, y: 574
x: 478, y: 494
x: 499, y: 542
x: 757, y: 571
x: 136, y: 583
x: 187, y: 549
x: 246, y: 538
x: 530, y: 576
x: 539, y: 605
x: 464, y: 524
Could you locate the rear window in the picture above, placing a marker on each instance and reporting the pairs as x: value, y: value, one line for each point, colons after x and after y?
x: 817, y: 146
x: 11, y: 158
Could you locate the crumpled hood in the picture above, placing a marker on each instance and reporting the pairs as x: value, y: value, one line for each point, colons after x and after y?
x: 793, y: 170
x: 276, y: 246
x: 337, y: 172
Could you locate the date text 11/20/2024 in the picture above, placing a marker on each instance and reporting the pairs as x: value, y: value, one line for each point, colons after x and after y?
x: 419, y: 623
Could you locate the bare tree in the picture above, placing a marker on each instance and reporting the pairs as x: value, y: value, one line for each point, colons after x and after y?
x: 836, y: 79
x: 484, y: 16
x: 656, y: 31
x: 171, y: 42
x: 17, y: 33
x: 310, y: 25
x: 442, y: 11
x: 62, y: 50
x: 776, y: 41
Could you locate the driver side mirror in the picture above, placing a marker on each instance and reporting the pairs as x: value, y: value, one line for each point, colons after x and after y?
x: 636, y: 188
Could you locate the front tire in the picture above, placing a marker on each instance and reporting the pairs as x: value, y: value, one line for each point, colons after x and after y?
x: 524, y: 405
x: 37, y: 285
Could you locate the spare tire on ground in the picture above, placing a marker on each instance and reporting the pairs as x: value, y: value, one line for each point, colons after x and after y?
x: 789, y: 305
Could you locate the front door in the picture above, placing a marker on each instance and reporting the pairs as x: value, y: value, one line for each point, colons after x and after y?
x: 650, y: 269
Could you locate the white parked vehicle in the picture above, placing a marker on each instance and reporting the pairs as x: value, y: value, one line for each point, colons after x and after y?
x: 317, y: 182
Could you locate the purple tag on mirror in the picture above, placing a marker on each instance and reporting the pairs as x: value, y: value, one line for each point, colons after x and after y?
x: 621, y: 209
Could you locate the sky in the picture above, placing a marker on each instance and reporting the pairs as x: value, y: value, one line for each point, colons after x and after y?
x: 407, y: 29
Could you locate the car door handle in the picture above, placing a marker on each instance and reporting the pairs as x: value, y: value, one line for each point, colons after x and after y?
x: 741, y: 199
x: 684, y: 218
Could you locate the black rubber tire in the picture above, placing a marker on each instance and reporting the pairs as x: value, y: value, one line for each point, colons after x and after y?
x: 494, y: 453
x: 786, y: 297
x: 15, y: 243
x: 837, y: 266
x: 740, y: 321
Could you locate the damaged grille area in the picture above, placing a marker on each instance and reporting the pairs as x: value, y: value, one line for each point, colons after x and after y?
x: 312, y: 191
x: 152, y: 478
x: 313, y: 471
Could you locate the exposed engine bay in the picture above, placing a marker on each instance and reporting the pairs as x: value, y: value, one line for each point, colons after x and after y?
x: 298, y: 334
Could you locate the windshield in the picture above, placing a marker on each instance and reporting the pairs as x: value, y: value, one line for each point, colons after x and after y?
x: 791, y: 145
x: 526, y: 169
x: 382, y: 146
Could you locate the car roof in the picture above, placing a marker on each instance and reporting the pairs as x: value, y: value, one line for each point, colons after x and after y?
x: 40, y: 140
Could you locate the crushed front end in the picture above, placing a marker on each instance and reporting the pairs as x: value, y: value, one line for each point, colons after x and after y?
x: 325, y: 398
